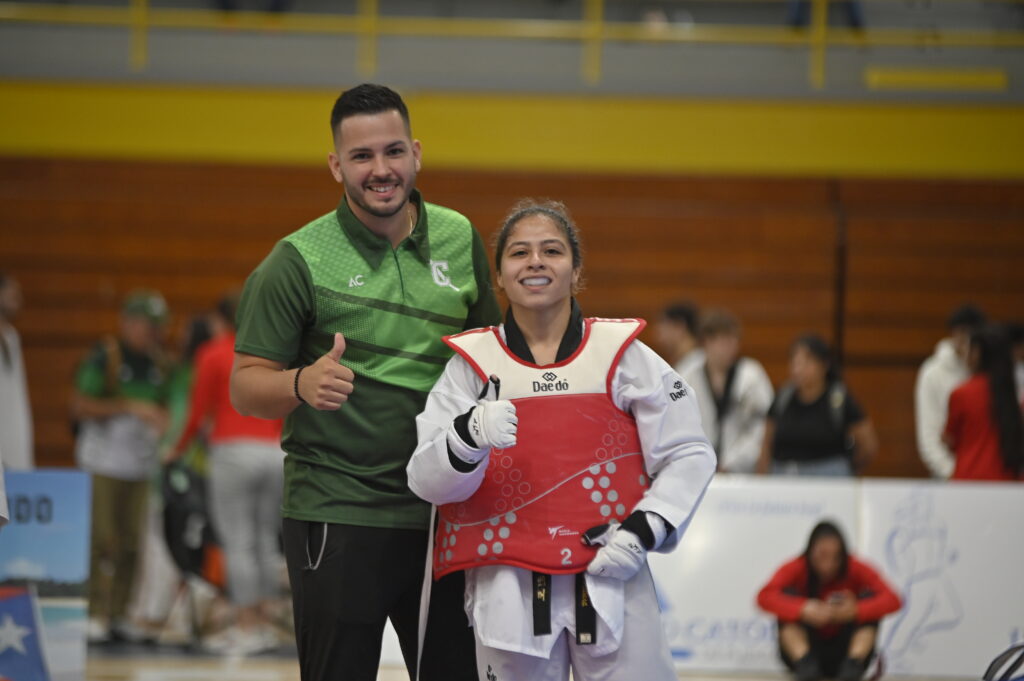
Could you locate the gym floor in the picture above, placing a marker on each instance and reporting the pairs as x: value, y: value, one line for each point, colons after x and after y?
x: 142, y: 663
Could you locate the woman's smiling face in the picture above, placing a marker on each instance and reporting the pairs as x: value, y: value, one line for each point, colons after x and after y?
x: 536, y: 264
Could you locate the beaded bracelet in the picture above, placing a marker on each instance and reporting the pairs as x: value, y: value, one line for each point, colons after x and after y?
x: 296, y: 386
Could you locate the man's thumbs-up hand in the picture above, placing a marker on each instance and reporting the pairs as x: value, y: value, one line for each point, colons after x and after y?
x: 325, y: 384
x: 339, y: 348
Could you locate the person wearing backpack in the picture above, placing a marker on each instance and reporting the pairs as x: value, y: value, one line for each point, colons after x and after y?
x: 118, y: 404
x: 815, y: 426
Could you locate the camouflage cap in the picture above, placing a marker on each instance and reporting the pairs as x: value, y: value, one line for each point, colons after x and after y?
x: 146, y: 303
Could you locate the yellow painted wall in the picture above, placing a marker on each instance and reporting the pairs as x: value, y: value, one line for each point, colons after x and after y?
x: 486, y: 131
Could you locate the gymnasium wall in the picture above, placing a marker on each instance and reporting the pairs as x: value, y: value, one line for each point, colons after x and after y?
x: 865, y: 223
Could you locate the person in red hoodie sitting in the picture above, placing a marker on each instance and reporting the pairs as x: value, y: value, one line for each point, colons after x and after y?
x: 829, y: 605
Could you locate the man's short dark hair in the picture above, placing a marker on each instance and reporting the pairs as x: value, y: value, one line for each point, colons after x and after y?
x: 367, y: 98
x: 967, y: 316
x: 718, y: 321
x: 683, y: 313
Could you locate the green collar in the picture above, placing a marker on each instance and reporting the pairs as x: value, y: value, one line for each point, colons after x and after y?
x: 372, y: 247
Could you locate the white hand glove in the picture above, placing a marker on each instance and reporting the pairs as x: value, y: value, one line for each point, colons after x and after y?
x: 494, y: 424
x: 491, y: 425
x: 621, y: 555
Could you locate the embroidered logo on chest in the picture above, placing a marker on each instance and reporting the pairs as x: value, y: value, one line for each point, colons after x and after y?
x: 439, y: 269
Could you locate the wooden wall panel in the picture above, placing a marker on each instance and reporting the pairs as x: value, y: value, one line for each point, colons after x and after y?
x: 915, y: 252
x: 80, y: 234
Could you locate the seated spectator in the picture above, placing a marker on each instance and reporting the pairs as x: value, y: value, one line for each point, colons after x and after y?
x: 276, y: 6
x: 829, y: 605
x: 734, y: 393
x: 798, y: 13
x: 677, y: 336
x: 984, y: 424
x: 939, y: 375
x: 815, y: 426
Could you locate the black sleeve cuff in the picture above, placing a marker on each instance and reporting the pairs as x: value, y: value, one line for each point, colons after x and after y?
x: 460, y: 465
x: 637, y: 524
x: 462, y: 428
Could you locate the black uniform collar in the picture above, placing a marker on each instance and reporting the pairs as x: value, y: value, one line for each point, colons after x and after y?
x: 571, y: 339
x: 374, y: 248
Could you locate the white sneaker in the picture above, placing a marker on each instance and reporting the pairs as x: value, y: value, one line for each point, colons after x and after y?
x: 237, y: 642
x: 253, y: 641
x: 220, y: 642
x: 128, y: 632
x: 97, y: 631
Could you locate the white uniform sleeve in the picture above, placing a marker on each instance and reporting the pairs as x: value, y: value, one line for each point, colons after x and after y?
x: 930, y: 420
x: 677, y: 454
x: 431, y: 475
x: 753, y: 400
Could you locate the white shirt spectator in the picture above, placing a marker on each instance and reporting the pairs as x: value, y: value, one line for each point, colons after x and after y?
x: 16, y: 413
x: 939, y: 376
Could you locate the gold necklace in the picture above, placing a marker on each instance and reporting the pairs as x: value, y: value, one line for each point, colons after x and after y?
x: 412, y: 222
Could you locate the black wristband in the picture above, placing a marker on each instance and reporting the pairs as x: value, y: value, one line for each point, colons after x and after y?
x: 637, y: 524
x: 296, y: 386
x: 462, y: 429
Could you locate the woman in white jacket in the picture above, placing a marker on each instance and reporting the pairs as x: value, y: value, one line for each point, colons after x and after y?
x: 551, y: 497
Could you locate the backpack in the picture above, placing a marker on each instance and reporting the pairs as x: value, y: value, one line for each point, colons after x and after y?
x: 111, y: 374
x: 188, y: 532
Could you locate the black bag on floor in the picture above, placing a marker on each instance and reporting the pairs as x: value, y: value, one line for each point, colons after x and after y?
x: 187, y: 527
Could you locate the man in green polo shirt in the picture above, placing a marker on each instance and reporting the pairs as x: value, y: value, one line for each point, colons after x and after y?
x: 118, y: 402
x: 339, y: 331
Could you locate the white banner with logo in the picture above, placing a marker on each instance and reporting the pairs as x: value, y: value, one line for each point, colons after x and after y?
x: 953, y: 551
x: 745, y: 528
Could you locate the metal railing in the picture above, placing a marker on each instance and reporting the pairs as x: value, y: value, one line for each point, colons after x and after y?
x: 592, y: 30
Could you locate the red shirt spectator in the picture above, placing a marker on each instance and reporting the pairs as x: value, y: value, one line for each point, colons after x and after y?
x: 787, y: 592
x: 828, y: 605
x: 971, y: 433
x: 211, y: 399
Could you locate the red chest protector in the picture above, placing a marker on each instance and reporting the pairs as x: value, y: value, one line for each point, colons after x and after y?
x: 577, y: 462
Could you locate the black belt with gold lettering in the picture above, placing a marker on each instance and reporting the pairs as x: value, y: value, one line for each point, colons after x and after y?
x: 586, y: 616
x: 541, y: 604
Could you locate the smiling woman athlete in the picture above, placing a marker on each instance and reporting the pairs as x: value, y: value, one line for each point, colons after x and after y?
x: 551, y: 496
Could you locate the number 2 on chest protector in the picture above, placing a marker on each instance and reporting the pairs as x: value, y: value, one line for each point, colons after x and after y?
x: 566, y: 557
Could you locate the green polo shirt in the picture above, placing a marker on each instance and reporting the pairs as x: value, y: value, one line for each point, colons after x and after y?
x: 139, y: 377
x: 393, y: 305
